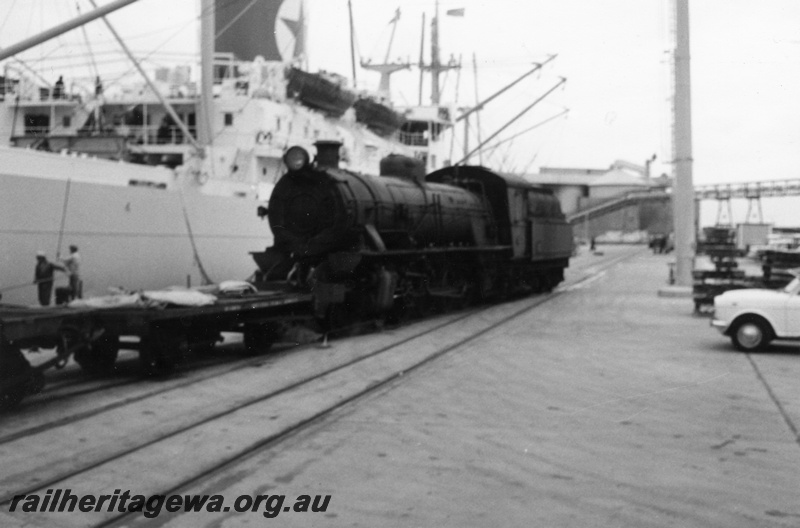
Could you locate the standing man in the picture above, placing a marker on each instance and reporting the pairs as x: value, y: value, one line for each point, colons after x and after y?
x: 73, y: 265
x: 43, y: 277
x: 58, y: 89
x: 766, y: 269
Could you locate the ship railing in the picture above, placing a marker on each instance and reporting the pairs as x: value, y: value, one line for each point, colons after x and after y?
x: 413, y: 139
x: 155, y: 135
x: 39, y: 131
x: 10, y: 88
x: 17, y: 84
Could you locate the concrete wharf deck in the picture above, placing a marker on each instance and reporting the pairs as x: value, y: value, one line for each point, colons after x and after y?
x: 606, y: 405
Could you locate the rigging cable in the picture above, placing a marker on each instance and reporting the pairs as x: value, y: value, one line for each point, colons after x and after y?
x: 63, y: 217
x: 560, y: 135
x: 523, y: 112
x: 492, y: 148
x: 206, y: 279
x: 88, y: 45
x: 7, y: 18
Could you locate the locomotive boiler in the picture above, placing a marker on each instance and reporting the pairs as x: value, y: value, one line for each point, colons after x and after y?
x: 403, y: 241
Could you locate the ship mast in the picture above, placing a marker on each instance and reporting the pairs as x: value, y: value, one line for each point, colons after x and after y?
x: 436, y: 67
x: 205, y: 110
x: 386, y: 69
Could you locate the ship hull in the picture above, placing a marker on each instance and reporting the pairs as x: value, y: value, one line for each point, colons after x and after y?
x: 132, y: 237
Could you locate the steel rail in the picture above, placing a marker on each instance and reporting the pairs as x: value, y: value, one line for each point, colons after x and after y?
x: 270, y: 441
x: 276, y: 439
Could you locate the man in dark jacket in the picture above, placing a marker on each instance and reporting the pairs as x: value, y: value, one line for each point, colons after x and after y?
x: 43, y: 277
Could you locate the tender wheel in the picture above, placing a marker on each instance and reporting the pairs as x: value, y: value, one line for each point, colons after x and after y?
x: 98, y: 357
x: 343, y: 320
x: 421, y: 306
x: 751, y: 335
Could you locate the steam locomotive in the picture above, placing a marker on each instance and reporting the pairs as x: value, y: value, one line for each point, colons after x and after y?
x: 405, y: 242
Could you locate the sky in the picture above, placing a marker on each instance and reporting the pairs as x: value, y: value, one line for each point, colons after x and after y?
x: 615, y: 55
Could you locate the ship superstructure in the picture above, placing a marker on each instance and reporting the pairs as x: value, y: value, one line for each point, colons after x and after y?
x: 185, y: 195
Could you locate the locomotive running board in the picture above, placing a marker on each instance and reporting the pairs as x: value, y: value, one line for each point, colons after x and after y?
x: 390, y: 252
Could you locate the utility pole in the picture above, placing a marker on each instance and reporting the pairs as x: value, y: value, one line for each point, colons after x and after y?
x: 683, y: 192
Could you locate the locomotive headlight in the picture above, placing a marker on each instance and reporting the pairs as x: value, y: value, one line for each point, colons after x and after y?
x: 296, y: 158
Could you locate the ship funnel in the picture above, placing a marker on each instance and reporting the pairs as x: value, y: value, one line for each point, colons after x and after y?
x: 403, y: 167
x: 328, y: 154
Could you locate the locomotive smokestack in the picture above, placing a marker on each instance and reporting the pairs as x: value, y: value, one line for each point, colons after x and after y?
x: 328, y: 154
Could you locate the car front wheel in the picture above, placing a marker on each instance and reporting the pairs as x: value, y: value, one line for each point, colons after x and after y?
x: 751, y: 335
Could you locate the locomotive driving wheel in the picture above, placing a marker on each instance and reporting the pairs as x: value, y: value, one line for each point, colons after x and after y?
x: 345, y: 319
x: 457, y: 282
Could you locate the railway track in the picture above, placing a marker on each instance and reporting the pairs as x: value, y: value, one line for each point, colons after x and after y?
x: 308, y: 386
x: 141, y: 390
x: 127, y: 371
x: 118, y: 391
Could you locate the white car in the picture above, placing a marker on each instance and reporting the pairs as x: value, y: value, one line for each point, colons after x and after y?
x: 754, y: 317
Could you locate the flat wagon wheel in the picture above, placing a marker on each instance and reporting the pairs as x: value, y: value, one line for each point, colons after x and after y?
x: 161, y: 350
x: 548, y: 282
x: 259, y: 337
x: 98, y: 357
x: 202, y: 340
x: 17, y: 377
